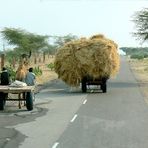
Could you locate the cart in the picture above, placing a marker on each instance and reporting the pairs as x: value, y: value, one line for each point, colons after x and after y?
x: 88, y: 80
x: 24, y: 93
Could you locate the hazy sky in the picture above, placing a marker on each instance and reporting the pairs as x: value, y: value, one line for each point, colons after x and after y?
x: 79, y: 17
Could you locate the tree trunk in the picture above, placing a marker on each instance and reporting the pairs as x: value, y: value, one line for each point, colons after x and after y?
x: 14, y: 62
x: 48, y: 55
x: 43, y: 57
x: 39, y: 59
x: 2, y: 60
x: 35, y: 59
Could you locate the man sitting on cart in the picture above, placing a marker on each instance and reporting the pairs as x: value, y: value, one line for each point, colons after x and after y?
x: 30, y: 81
x: 30, y: 78
x: 5, y: 77
x: 5, y: 80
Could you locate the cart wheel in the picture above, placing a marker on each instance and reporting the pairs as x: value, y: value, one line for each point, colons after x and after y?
x: 84, y: 88
x: 104, y: 87
x: 29, y: 101
x: 2, y: 101
x: 2, y: 104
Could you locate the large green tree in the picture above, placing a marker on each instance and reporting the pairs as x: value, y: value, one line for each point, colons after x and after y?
x: 24, y: 41
x: 140, y: 18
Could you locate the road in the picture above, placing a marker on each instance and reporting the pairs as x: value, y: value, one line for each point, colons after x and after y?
x: 65, y: 119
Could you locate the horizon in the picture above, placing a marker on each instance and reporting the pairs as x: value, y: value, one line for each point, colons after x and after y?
x: 82, y: 18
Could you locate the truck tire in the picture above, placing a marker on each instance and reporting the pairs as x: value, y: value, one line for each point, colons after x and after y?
x: 29, y: 101
x: 104, y: 87
x: 84, y: 87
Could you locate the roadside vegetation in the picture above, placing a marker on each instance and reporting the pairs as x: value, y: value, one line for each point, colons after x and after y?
x: 136, y: 53
x: 138, y: 57
x: 38, y: 51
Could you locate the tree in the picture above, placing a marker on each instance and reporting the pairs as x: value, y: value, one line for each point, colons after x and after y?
x: 60, y: 40
x: 23, y: 40
x: 140, y: 18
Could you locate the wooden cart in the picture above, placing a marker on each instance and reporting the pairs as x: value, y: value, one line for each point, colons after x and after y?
x: 24, y: 93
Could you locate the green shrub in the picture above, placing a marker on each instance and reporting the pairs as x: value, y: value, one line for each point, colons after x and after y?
x: 137, y: 56
x: 145, y: 55
x: 50, y: 66
x: 37, y: 71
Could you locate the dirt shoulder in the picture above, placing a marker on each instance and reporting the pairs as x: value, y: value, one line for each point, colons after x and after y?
x: 45, y: 79
x: 140, y: 70
x: 47, y: 76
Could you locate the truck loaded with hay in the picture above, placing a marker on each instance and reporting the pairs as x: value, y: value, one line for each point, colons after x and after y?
x: 89, y: 61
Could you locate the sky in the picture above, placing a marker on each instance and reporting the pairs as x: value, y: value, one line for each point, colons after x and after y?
x: 83, y: 18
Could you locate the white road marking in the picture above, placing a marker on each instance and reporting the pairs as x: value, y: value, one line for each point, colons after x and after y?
x: 55, y: 145
x: 75, y: 116
x: 8, y: 139
x: 84, y: 101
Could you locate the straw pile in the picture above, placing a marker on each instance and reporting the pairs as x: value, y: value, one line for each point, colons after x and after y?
x: 96, y: 56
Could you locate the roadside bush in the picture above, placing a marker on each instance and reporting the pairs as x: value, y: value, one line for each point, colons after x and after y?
x: 137, y: 56
x: 145, y: 55
x: 50, y: 66
x: 37, y: 71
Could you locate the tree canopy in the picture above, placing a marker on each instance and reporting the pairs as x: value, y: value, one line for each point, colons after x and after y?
x: 140, y: 18
x: 24, y: 40
x: 61, y: 40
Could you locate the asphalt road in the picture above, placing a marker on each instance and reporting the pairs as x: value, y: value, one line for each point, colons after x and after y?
x: 64, y: 119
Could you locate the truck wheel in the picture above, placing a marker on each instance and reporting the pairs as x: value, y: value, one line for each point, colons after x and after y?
x: 29, y: 101
x: 104, y: 87
x: 84, y: 88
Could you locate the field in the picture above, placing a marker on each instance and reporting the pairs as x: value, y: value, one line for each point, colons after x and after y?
x: 47, y: 74
x: 140, y: 70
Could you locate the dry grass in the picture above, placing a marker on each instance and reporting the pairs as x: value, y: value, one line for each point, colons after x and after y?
x: 140, y: 69
x: 47, y: 74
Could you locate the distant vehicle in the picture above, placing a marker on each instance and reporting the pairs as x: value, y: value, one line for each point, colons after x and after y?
x: 121, y: 52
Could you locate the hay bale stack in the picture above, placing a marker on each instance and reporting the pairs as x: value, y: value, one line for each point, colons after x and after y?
x: 96, y: 56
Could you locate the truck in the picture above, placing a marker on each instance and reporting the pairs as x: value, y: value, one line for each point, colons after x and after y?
x: 89, y: 80
x: 87, y: 61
